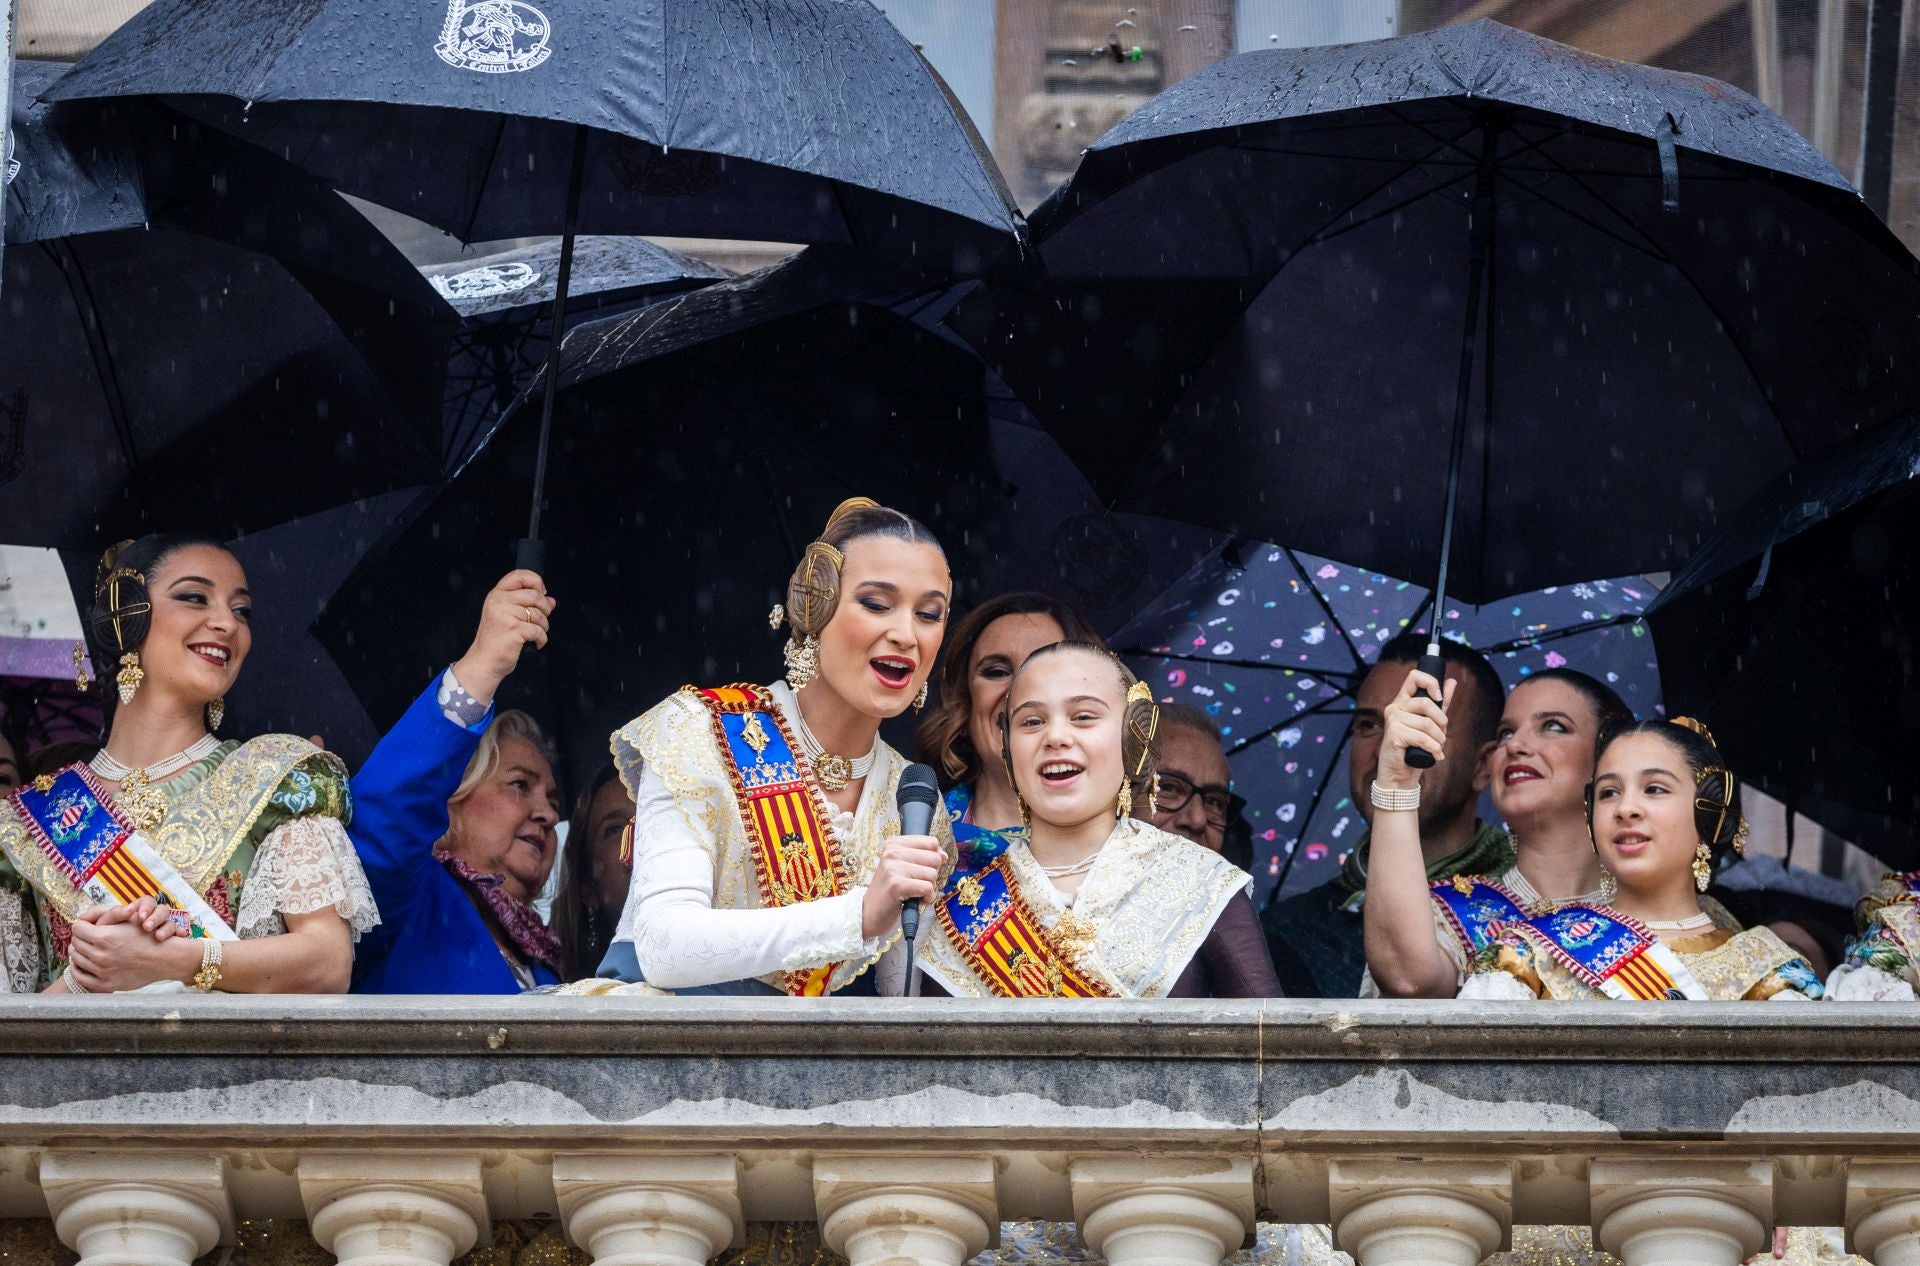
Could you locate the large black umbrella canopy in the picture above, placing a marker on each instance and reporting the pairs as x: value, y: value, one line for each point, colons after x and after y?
x: 1264, y: 313
x: 783, y: 120
x: 503, y: 299
x: 1794, y: 634
x: 699, y: 443
x: 195, y: 334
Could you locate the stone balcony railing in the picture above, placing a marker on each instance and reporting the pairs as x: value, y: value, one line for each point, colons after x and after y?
x: 656, y: 1128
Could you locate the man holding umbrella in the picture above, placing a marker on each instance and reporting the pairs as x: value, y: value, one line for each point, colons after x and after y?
x: 1316, y: 936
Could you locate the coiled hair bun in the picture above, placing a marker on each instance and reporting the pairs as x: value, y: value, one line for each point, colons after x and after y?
x: 813, y: 591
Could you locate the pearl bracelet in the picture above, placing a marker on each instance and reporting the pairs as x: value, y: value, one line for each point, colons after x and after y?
x: 1395, y: 799
x: 209, y: 974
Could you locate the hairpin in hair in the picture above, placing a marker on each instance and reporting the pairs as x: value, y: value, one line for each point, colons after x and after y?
x: 1697, y: 726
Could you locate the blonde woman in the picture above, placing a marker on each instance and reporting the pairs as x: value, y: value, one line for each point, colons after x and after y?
x: 455, y: 816
x: 767, y: 854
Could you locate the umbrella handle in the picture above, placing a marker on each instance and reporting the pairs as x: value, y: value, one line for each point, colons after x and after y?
x: 530, y: 555
x: 1436, y: 668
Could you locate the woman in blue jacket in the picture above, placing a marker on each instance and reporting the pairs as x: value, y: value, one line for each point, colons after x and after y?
x: 454, y: 817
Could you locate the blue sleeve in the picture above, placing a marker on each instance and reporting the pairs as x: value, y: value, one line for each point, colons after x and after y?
x: 400, y: 801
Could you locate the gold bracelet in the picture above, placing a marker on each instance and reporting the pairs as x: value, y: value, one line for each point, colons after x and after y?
x: 209, y: 974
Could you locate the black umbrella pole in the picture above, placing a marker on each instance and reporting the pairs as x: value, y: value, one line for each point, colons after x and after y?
x: 531, y: 553
x: 1482, y: 239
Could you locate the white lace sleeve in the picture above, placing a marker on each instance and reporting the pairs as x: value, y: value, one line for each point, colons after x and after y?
x: 1496, y: 986
x: 20, y: 953
x: 305, y: 865
x: 681, y: 941
x: 1856, y: 982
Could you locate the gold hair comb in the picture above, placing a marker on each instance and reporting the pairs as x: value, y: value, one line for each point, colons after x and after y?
x: 1139, y: 692
x: 1697, y: 726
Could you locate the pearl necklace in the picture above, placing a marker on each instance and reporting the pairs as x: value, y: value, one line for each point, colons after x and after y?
x: 1071, y: 868
x: 107, y: 767
x: 1700, y: 920
x: 145, y: 803
x: 834, y: 772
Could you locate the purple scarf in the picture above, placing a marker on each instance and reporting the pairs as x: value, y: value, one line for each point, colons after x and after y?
x: 520, y: 921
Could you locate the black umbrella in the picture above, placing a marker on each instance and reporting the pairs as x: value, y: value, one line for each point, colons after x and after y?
x: 790, y: 120
x: 502, y: 300
x: 769, y: 399
x: 1793, y: 632
x: 195, y: 334
x: 1569, y: 308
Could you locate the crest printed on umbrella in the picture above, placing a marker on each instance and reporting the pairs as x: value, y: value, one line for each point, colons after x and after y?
x: 487, y: 281
x: 494, y: 37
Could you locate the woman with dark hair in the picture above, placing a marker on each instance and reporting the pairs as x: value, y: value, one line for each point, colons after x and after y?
x: 1093, y: 902
x: 173, y: 857
x: 1541, y: 761
x: 595, y: 869
x: 961, y: 736
x: 1663, y: 812
x: 767, y: 856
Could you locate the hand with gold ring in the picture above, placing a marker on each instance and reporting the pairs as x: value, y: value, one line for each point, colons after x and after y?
x: 513, y: 616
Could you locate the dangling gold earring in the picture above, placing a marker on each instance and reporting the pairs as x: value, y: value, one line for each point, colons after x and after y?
x: 1609, y: 886
x: 920, y: 700
x: 803, y: 661
x: 129, y: 677
x: 216, y: 713
x: 82, y: 679
x: 1123, y: 808
x: 1153, y: 795
x: 1702, y: 866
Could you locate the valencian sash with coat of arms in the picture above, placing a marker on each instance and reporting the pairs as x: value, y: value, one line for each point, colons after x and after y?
x: 87, y: 839
x: 1609, y: 952
x: 796, y: 856
x: 997, y: 933
x: 1473, y: 906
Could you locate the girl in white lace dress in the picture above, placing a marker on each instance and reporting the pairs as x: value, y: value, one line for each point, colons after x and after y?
x: 247, y: 841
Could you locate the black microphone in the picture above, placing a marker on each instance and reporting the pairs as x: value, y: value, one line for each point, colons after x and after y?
x: 919, y: 792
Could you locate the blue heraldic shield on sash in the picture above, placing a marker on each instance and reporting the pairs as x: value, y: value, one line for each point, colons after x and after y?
x: 1473, y: 907
x: 991, y: 903
x: 76, y: 828
x: 1609, y: 952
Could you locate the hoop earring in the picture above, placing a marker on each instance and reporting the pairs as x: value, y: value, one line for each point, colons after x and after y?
x: 216, y: 713
x: 920, y: 700
x: 1609, y: 886
x: 128, y: 679
x: 1702, y: 866
x: 82, y: 679
x: 803, y: 661
x: 1123, y: 807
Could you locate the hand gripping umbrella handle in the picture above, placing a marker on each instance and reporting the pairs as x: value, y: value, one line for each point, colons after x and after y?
x: 1436, y: 668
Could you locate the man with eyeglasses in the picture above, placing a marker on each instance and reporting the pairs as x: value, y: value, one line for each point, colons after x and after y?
x: 1316, y: 935
x: 1195, y: 801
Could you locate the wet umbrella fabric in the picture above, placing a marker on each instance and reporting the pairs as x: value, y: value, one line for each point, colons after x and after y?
x: 1257, y: 312
x: 768, y: 400
x: 504, y: 299
x: 195, y: 334
x: 1793, y: 635
x: 787, y: 120
x: 1273, y: 644
x: 784, y: 120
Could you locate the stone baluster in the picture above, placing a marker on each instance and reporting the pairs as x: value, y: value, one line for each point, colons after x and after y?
x: 1883, y: 1212
x: 393, y: 1208
x: 137, y: 1208
x: 658, y: 1210
x: 1683, y: 1212
x: 1420, y: 1213
x: 901, y: 1210
x: 1163, y: 1210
